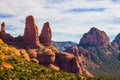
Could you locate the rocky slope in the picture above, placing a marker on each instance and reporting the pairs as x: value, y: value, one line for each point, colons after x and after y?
x: 13, y: 66
x: 39, y: 49
x: 94, y: 53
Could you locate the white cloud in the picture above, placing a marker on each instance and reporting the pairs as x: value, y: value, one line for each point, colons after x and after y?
x: 61, y: 20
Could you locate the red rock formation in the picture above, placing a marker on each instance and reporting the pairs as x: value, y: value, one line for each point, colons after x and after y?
x: 30, y: 38
x: 7, y: 38
x: 48, y: 56
x: 4, y: 36
x: 78, y: 67
x: 45, y: 36
x: 94, y: 37
x: 64, y: 61
x: 3, y: 27
x: 116, y: 41
x: 78, y: 51
x: 69, y: 63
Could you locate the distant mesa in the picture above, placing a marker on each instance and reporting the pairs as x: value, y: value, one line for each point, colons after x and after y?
x: 94, y: 37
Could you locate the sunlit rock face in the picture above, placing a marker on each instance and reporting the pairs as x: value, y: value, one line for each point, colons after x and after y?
x: 95, y: 37
x: 30, y: 37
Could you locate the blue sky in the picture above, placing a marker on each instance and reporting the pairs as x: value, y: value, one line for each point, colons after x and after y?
x: 69, y: 19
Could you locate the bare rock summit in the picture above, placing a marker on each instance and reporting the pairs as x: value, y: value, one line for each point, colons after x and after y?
x: 95, y: 37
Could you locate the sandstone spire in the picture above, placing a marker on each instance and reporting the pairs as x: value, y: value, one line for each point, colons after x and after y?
x: 31, y: 39
x: 3, y: 27
x: 45, y: 36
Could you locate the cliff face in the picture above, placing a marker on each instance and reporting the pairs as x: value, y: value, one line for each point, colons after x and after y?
x: 14, y: 67
x: 31, y: 33
x: 70, y: 63
x: 94, y: 37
